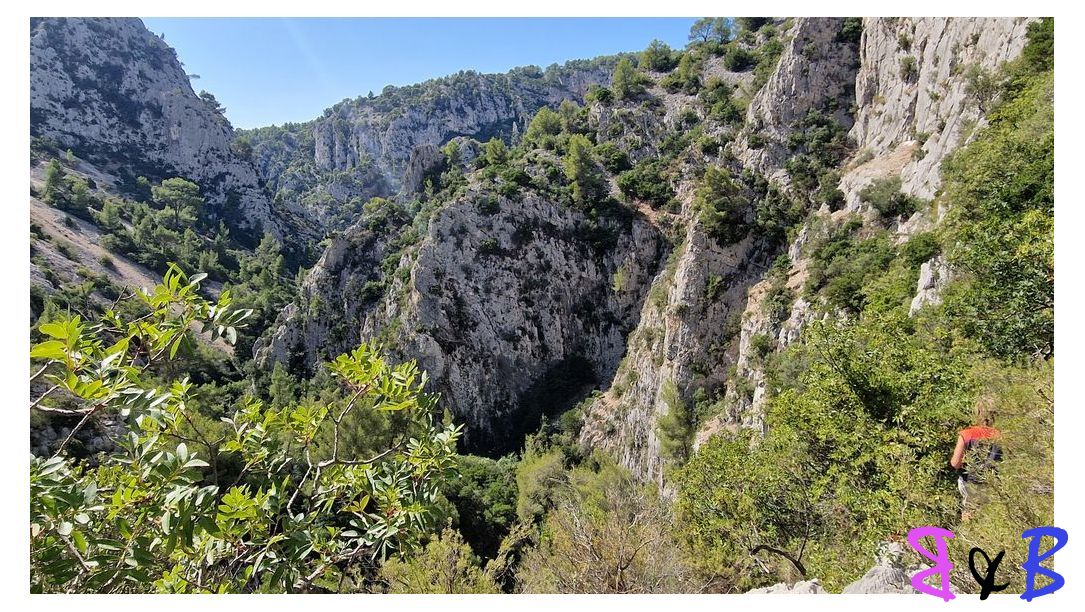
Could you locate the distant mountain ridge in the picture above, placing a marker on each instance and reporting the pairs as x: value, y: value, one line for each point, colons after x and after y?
x: 361, y: 148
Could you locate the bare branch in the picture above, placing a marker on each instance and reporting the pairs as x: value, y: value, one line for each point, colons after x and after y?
x: 783, y: 553
x: 37, y: 403
x: 41, y: 371
x: 75, y: 429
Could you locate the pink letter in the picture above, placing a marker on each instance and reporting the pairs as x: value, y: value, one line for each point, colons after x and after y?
x: 942, y: 564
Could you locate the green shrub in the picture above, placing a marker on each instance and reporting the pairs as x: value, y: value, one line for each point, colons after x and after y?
x: 687, y: 78
x: 721, y: 206
x: 737, y: 58
x: 719, y: 102
x: 581, y: 169
x: 851, y: 31
x: 909, y: 69
x: 600, y: 94
x: 545, y: 126
x: 613, y: 157
x: 920, y: 248
x: 886, y: 197
x: 768, y: 55
x: 676, y: 427
x: 842, y: 266
x: 658, y: 57
x: 647, y: 181
x: 445, y: 566
x: 626, y: 82
x: 760, y: 346
x: 484, y: 496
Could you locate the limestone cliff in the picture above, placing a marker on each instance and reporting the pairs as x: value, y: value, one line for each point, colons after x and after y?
x: 116, y: 95
x: 688, y: 337
x: 368, y: 142
x: 505, y: 302
x: 508, y: 306
x: 916, y: 101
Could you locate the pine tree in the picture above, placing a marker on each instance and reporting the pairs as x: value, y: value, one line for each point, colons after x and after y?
x: 55, y: 186
x: 627, y: 82
x: 496, y: 153
x: 582, y: 171
x: 180, y: 196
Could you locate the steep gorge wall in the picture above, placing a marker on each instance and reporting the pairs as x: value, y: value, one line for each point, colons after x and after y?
x: 907, y: 121
x: 471, y: 104
x: 116, y: 94
x: 935, y: 100
x: 500, y: 306
x: 687, y: 338
x: 512, y: 311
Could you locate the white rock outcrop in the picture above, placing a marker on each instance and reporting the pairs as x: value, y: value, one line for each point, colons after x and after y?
x: 117, y: 95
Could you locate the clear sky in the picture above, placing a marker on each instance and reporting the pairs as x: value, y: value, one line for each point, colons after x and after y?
x: 270, y: 70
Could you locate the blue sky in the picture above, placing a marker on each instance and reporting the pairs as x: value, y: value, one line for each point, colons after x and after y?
x: 271, y: 70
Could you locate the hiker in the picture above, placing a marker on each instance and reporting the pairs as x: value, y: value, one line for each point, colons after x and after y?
x: 983, y: 435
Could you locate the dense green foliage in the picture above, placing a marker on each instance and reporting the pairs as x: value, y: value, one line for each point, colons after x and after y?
x: 819, y: 144
x: 711, y: 29
x: 647, y: 181
x: 582, y: 171
x: 607, y: 533
x: 864, y: 411
x: 738, y: 59
x: 484, y: 495
x: 66, y: 192
x: 627, y: 82
x: 1002, y: 237
x: 248, y: 509
x: 886, y: 197
x: 722, y: 206
x: 844, y: 264
x: 719, y: 102
x: 445, y: 566
x: 852, y: 30
x: 675, y: 428
x: 686, y: 78
x: 657, y: 57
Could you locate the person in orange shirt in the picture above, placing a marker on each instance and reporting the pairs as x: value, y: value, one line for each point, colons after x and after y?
x: 985, y: 436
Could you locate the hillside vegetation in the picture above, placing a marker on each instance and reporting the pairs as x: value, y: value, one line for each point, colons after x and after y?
x: 246, y: 425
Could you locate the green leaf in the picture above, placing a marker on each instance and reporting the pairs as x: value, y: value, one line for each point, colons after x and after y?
x: 80, y: 542
x: 50, y: 349
x: 57, y: 329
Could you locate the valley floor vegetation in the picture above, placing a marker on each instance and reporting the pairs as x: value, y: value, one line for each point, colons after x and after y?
x: 220, y: 477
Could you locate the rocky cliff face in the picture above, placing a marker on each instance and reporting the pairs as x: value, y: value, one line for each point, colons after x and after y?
x: 891, y: 574
x: 689, y: 338
x: 816, y: 73
x: 505, y: 302
x: 919, y: 84
x: 916, y: 101
x: 116, y: 95
x: 370, y: 141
